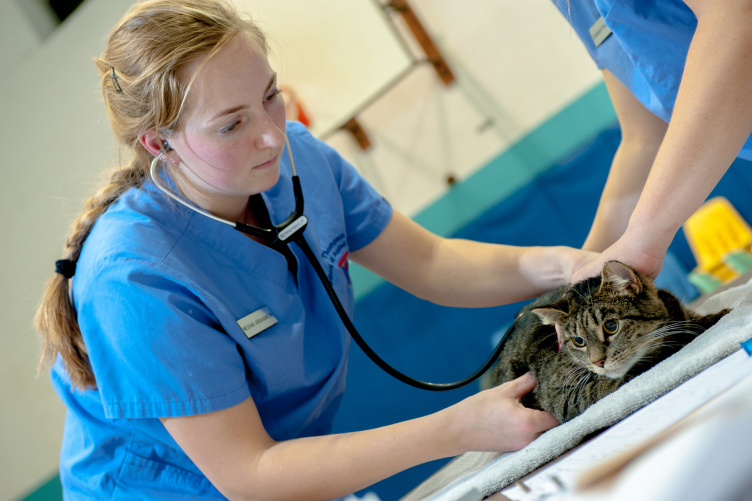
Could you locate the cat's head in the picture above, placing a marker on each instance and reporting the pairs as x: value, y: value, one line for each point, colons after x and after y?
x: 601, y: 321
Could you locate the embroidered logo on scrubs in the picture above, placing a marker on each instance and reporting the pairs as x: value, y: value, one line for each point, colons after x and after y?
x: 256, y: 322
x: 335, y: 256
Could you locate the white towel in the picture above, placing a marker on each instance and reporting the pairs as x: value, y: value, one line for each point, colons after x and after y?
x: 474, y: 474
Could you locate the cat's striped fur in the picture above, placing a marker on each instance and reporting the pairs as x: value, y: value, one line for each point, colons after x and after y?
x: 611, y: 328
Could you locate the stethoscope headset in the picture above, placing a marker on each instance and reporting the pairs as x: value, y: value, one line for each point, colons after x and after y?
x: 291, y: 230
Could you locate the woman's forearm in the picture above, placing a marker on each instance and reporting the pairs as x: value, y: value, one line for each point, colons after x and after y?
x: 641, y: 135
x: 712, y: 119
x: 233, y: 450
x: 464, y: 273
x: 349, y: 462
x: 626, y: 179
x: 474, y: 274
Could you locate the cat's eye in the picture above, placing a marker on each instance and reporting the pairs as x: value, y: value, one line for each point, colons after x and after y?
x: 578, y: 341
x: 610, y: 326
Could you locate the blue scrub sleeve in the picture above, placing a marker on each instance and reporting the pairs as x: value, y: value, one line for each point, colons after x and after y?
x: 365, y: 211
x: 156, y: 350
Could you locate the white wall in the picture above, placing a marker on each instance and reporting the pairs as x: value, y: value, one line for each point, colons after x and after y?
x: 516, y: 61
x: 18, y: 36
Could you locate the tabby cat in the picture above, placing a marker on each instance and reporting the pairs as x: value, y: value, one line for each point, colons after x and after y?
x: 584, y: 341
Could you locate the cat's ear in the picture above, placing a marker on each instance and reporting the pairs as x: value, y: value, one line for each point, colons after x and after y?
x: 553, y: 313
x: 620, y: 278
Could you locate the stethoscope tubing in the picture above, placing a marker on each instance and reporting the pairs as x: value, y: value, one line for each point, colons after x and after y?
x: 375, y: 358
x: 291, y: 230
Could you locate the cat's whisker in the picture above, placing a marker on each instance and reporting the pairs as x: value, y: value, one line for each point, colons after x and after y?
x: 653, y: 345
x: 683, y: 327
x: 572, y: 375
x: 582, y: 383
x: 571, y: 393
x: 568, y: 375
x: 575, y: 369
x: 676, y: 334
x: 686, y: 325
x: 583, y: 380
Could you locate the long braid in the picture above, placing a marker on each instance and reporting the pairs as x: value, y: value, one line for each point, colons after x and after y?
x: 56, y: 317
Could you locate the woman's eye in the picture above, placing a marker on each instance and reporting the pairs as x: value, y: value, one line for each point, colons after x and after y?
x: 274, y: 94
x: 578, y: 341
x: 229, y: 128
x: 610, y: 326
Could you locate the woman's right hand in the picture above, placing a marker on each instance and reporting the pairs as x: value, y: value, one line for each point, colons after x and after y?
x: 232, y: 448
x: 494, y: 420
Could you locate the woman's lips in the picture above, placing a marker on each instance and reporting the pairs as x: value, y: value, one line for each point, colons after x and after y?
x: 268, y: 163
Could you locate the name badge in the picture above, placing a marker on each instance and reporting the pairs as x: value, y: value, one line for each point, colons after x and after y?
x: 256, y: 322
x: 599, y: 32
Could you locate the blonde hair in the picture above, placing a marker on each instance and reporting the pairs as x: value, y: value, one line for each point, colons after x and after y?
x: 139, y: 72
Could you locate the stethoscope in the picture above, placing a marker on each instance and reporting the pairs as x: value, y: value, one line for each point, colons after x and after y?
x: 291, y: 230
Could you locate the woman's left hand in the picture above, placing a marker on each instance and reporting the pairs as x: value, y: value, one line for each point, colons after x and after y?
x: 551, y: 267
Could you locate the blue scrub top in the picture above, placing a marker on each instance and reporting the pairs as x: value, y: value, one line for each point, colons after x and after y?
x: 647, y: 49
x: 160, y: 291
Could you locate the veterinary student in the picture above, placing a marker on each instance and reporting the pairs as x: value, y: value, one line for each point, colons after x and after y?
x: 198, y: 361
x: 680, y: 78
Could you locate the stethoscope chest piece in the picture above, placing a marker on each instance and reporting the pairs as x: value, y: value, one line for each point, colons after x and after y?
x: 285, y: 232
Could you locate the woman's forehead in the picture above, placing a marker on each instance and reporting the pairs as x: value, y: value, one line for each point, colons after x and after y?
x: 238, y: 71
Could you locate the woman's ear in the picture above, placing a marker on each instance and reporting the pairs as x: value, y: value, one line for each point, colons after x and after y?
x: 151, y: 141
x: 154, y: 144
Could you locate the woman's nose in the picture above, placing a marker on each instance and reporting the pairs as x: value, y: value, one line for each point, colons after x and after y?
x: 269, y: 135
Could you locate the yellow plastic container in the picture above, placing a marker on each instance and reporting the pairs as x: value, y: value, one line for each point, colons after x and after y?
x: 714, y: 231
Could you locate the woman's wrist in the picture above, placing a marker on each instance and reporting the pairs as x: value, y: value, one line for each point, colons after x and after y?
x: 542, y: 267
x: 451, y: 437
x: 651, y: 236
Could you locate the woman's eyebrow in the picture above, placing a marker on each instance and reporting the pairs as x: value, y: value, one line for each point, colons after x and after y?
x: 234, y: 109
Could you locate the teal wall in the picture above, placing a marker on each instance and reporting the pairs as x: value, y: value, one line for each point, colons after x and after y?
x: 49, y: 491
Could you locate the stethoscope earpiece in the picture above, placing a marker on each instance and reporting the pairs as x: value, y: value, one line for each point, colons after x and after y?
x: 166, y: 146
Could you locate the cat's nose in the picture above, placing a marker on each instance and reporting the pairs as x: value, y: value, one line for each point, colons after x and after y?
x: 600, y: 362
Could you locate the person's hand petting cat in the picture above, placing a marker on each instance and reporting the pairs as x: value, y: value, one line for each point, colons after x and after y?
x: 494, y: 420
x: 642, y: 249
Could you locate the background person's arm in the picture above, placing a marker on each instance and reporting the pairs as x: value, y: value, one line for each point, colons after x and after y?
x: 711, y: 121
x: 641, y: 135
